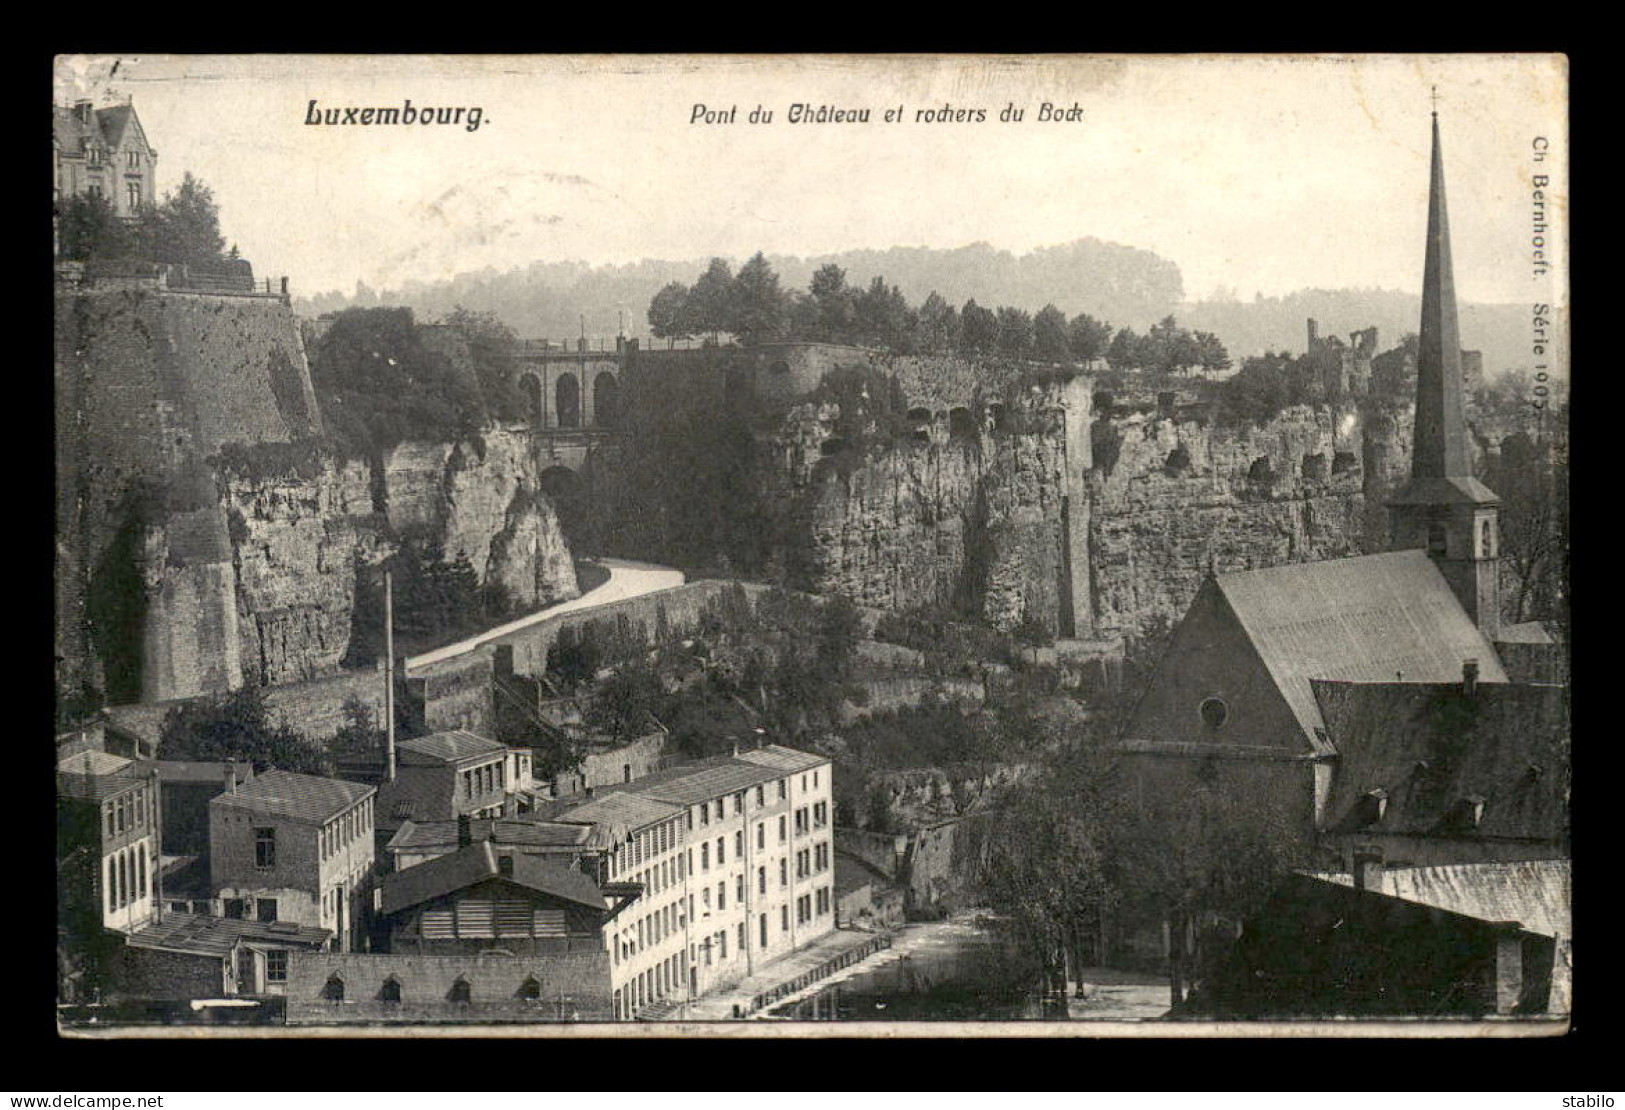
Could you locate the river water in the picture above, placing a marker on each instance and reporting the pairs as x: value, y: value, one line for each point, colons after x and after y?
x: 958, y: 970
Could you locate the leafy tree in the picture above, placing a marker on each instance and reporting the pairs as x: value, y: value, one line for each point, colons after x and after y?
x: 185, y: 226
x: 711, y: 301
x: 836, y: 302
x: 1088, y: 337
x: 623, y: 703
x: 938, y: 325
x: 1127, y: 351
x: 1050, y: 339
x: 669, y: 316
x: 1015, y: 332
x: 491, y: 345
x: 87, y: 228
x: 237, y: 726
x: 1210, y: 353
x: 574, y: 658
x: 884, y: 318
x: 758, y: 304
x: 360, y: 735
x: 979, y: 332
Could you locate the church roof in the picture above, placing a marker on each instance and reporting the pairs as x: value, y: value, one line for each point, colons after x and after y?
x: 1366, y: 619
x: 1489, y: 765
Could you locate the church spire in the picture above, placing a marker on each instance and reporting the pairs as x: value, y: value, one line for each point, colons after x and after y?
x: 1444, y: 508
x: 1441, y: 426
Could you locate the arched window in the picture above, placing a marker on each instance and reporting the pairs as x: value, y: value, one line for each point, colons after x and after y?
x: 531, y: 989
x: 1260, y: 471
x: 460, y: 993
x: 567, y: 401
x: 1214, y: 712
x: 333, y: 989
x: 606, y: 400
x: 390, y: 991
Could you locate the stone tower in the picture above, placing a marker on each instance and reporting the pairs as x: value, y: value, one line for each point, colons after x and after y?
x: 1444, y: 509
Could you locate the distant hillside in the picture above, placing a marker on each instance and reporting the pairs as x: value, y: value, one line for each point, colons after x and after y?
x: 1124, y: 286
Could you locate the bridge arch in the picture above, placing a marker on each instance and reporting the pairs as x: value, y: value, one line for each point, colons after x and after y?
x: 567, y: 400
x: 606, y: 400
x: 530, y: 391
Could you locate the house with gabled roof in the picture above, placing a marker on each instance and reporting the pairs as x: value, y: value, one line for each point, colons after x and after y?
x: 103, y: 152
x: 294, y: 848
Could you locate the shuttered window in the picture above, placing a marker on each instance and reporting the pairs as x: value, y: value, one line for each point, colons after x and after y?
x: 476, y: 917
x: 549, y: 923
x: 513, y: 919
x: 437, y: 925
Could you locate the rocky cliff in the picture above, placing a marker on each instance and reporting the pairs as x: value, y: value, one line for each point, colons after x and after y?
x: 1003, y: 514
x: 206, y: 539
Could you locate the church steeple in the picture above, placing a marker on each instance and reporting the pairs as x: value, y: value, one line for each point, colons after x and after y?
x: 1444, y: 508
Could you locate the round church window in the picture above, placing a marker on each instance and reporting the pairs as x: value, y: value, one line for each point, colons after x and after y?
x: 1214, y: 712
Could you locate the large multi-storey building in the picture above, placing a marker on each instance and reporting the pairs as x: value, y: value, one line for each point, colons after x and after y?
x: 736, y: 860
x: 102, y: 152
x: 294, y: 848
x: 107, y: 832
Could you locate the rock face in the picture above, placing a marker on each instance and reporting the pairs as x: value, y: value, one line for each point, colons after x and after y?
x: 1018, y: 516
x: 973, y: 514
x: 204, y: 539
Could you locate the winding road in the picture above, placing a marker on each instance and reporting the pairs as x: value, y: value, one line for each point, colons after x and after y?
x: 626, y: 579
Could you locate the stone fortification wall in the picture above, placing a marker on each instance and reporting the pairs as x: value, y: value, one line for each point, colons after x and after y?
x: 205, y: 540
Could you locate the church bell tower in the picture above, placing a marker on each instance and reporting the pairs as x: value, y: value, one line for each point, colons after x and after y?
x: 1444, y: 509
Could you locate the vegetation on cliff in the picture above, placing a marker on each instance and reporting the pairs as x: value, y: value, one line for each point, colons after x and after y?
x: 237, y: 726
x: 753, y: 307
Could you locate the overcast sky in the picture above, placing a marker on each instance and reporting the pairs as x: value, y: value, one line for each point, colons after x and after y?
x: 1261, y: 175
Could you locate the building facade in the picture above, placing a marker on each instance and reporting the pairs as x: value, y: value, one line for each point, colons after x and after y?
x: 102, y: 152
x: 108, y: 840
x: 295, y: 848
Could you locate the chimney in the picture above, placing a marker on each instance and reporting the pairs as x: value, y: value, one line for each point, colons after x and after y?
x: 1368, y: 869
x: 83, y: 109
x: 465, y: 831
x: 1469, y: 677
x: 1314, y: 334
x: 231, y: 778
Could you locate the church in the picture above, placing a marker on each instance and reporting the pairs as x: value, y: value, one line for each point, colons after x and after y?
x: 1367, y: 701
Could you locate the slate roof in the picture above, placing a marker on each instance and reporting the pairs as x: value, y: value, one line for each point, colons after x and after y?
x: 100, y: 787
x: 107, y: 124
x: 202, y: 771
x: 510, y: 832
x: 1358, y: 620
x: 1432, y: 749
x: 216, y: 936
x: 400, y: 890
x: 1529, y: 632
x: 300, y: 797
x: 700, y: 781
x: 451, y: 747
x: 624, y: 810
x: 782, y: 758
x: 92, y: 763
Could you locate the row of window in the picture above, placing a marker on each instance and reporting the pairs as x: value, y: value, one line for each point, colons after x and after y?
x: 647, y: 844
x: 664, y: 979
x: 127, y: 811
x: 813, y: 817
x: 650, y: 930
x: 485, y: 779
x: 816, y: 904
x: 810, y: 861
x: 340, y: 834
x: 704, y: 808
x: 126, y: 876
x: 93, y: 157
x: 460, y: 992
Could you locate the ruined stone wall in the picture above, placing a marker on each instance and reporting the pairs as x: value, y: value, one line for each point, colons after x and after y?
x: 1173, y: 500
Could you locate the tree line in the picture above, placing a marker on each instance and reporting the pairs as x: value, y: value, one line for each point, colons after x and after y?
x: 752, y: 307
x: 183, y: 228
